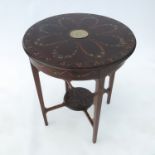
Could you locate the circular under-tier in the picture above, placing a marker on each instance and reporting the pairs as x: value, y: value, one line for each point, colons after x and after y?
x: 78, y: 99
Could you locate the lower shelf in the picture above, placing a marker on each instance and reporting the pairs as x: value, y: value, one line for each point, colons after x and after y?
x: 78, y: 99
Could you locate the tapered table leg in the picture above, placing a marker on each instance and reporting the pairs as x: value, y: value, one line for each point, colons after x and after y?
x: 111, y: 82
x: 66, y: 86
x: 97, y: 106
x: 39, y: 92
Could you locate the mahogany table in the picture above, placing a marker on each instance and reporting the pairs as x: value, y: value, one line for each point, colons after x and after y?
x: 78, y: 46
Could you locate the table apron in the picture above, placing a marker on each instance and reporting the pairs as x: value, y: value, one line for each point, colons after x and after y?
x: 76, y: 74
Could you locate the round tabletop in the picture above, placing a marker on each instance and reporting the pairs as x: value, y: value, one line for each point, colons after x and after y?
x: 78, y: 45
x: 78, y: 41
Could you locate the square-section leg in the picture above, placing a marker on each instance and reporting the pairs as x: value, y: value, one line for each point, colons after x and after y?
x: 39, y: 92
x: 97, y: 106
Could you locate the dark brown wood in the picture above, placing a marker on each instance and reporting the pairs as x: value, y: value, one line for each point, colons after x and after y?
x: 97, y: 106
x: 89, y: 118
x: 78, y: 98
x: 55, y: 107
x: 39, y: 92
x: 76, y: 74
x: 108, y: 42
x: 78, y: 46
x: 111, y: 82
x: 66, y: 86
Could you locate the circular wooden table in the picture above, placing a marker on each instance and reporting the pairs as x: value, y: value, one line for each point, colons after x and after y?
x: 78, y: 46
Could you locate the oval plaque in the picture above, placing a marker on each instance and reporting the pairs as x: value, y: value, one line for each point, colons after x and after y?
x: 78, y: 33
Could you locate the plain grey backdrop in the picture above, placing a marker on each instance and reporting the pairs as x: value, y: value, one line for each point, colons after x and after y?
x: 127, y: 125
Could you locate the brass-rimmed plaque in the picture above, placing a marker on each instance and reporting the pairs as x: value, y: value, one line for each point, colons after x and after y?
x: 78, y: 33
